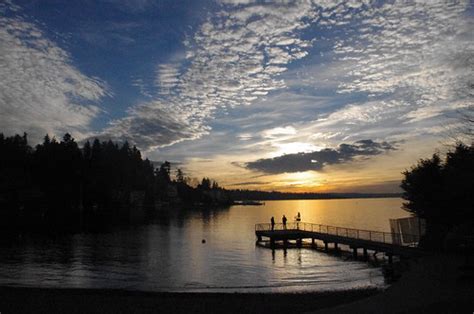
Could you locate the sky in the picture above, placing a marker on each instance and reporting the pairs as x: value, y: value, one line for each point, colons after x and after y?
x: 307, y: 96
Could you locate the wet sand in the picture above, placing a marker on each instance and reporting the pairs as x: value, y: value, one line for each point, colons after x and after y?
x: 37, y: 300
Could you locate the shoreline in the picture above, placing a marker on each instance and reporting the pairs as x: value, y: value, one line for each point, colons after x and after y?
x: 71, y: 300
x: 432, y: 284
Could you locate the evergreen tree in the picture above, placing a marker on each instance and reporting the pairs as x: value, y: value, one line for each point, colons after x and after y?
x: 442, y: 192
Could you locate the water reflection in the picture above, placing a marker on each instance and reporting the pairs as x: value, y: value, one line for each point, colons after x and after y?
x: 168, y: 254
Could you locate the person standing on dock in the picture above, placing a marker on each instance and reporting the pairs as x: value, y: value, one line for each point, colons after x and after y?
x: 283, y: 219
x: 298, y: 219
x: 272, y: 221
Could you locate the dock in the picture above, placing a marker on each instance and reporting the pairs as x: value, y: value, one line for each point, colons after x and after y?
x: 392, y: 244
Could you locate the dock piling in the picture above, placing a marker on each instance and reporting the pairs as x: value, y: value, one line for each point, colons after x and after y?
x: 299, y: 242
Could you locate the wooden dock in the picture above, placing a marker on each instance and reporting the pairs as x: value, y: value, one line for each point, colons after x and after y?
x: 376, y: 241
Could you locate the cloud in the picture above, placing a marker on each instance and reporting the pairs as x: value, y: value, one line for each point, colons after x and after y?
x: 397, y: 70
x: 142, y: 87
x: 407, y: 60
x: 233, y: 59
x: 258, y: 183
x: 40, y: 90
x: 276, y: 132
x: 316, y: 161
x: 167, y: 77
x: 416, y: 53
x: 153, y: 126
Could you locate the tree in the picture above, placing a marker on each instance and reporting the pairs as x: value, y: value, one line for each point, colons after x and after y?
x: 180, y: 176
x: 458, y: 175
x: 87, y: 150
x: 441, y: 192
x: 461, y: 130
x: 47, y: 140
x: 164, y: 172
x: 205, y: 184
x: 59, y: 185
x: 423, y: 188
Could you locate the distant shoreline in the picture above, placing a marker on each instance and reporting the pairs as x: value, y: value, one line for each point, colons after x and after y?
x: 329, y: 196
x: 53, y: 300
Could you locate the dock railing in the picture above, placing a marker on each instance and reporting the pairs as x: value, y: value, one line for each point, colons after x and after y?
x: 361, y: 234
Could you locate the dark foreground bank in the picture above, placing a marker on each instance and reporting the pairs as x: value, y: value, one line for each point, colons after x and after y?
x: 36, y: 300
x: 440, y: 283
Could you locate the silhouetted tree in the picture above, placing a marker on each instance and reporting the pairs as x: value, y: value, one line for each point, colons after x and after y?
x: 205, y: 184
x: 441, y: 192
x: 164, y: 172
x: 180, y: 176
x: 58, y: 184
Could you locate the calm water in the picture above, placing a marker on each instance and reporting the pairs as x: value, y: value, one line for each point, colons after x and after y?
x: 168, y: 255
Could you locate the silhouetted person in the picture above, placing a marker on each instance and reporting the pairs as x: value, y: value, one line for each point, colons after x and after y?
x: 283, y: 219
x: 272, y: 221
x: 298, y: 219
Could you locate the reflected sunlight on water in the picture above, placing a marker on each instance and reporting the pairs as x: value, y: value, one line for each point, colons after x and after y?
x: 168, y: 255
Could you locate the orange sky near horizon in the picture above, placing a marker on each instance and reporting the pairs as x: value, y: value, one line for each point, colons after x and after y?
x: 379, y: 174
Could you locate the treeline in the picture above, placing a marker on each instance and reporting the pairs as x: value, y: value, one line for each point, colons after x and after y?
x: 60, y: 185
x: 274, y: 195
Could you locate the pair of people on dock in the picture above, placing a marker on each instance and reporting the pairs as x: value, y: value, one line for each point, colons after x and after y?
x: 272, y: 222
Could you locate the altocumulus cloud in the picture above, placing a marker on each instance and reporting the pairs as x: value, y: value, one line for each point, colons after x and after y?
x: 317, y: 160
x: 40, y: 90
x: 235, y: 57
x: 413, y: 62
x: 415, y: 56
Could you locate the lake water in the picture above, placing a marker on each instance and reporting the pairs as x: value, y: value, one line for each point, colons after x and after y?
x: 168, y: 255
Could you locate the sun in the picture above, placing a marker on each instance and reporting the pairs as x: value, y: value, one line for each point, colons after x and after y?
x: 304, y: 179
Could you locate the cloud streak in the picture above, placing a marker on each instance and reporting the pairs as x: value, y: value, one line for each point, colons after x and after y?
x: 40, y: 90
x: 318, y: 160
